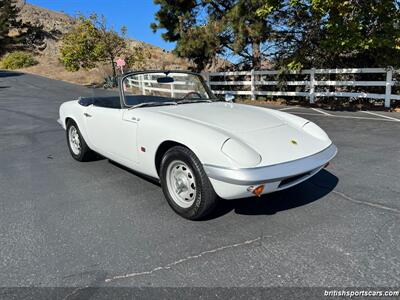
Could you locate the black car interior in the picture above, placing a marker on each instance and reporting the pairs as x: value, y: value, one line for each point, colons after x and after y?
x: 114, y: 101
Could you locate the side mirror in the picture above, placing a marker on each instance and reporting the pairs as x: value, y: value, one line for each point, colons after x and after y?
x: 229, y: 97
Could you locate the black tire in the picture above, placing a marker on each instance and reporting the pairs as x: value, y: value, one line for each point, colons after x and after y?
x: 85, y: 153
x: 205, y: 199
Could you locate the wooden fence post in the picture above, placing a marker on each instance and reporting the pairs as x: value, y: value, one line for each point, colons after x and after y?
x: 142, y: 84
x: 312, y: 86
x: 206, y: 76
x: 253, y: 86
x: 388, y: 92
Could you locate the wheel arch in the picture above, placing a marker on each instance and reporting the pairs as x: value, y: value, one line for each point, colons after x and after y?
x: 80, y: 124
x: 69, y: 119
x: 162, y: 149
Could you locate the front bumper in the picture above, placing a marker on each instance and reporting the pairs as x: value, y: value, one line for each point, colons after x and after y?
x: 272, y: 173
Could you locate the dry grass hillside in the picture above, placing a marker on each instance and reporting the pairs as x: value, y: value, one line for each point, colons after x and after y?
x: 57, y: 23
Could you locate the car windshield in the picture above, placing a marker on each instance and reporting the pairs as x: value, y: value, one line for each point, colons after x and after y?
x: 164, y: 88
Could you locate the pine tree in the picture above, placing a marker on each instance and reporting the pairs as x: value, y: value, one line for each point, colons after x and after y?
x: 204, y: 29
x: 337, y: 33
x: 15, y: 34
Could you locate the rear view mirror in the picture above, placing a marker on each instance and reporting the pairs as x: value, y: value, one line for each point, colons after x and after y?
x: 165, y: 79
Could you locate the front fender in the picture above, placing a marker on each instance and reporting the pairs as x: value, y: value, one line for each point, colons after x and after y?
x: 156, y: 128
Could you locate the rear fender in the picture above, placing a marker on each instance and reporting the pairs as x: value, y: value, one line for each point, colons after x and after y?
x: 74, y: 111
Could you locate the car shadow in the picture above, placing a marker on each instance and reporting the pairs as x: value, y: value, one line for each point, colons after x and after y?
x: 154, y: 181
x: 304, y: 193
x: 9, y: 73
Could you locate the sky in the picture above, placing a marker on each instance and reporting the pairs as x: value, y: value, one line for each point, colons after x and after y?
x: 136, y: 15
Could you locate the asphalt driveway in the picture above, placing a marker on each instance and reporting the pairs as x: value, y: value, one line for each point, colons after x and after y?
x: 65, y: 223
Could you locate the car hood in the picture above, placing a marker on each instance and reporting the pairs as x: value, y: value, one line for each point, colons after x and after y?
x: 274, y: 138
x: 226, y: 116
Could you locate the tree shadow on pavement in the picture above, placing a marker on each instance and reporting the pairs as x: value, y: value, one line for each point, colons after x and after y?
x: 307, y: 192
x: 9, y: 73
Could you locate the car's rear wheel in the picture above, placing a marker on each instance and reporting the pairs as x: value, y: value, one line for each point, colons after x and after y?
x: 185, y: 184
x: 76, y: 143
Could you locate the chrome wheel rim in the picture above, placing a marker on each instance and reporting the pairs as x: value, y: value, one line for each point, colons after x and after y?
x: 74, y: 140
x: 181, y: 183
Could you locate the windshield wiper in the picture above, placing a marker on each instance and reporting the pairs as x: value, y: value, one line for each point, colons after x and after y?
x: 147, y: 104
x: 192, y: 101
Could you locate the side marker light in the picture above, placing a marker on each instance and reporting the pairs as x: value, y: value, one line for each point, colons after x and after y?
x: 256, y: 190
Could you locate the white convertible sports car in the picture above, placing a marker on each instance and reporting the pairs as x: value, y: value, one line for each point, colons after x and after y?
x: 169, y: 125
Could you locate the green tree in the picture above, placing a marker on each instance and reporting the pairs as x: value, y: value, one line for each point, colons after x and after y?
x: 91, y: 42
x: 336, y: 33
x: 137, y: 57
x: 291, y: 33
x: 80, y: 46
x: 204, y: 29
x: 15, y: 34
x: 17, y: 60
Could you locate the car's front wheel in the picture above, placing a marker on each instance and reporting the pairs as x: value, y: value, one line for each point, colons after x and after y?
x: 76, y: 143
x: 185, y: 184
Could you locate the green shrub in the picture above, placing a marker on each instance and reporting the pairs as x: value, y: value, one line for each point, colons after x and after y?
x: 17, y: 60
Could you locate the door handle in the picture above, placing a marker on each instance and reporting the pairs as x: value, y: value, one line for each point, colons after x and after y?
x: 87, y: 115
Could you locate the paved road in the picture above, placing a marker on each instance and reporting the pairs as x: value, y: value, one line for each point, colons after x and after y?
x: 64, y: 223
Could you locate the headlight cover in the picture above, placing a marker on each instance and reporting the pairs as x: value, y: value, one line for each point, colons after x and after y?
x: 240, y: 153
x: 314, y: 130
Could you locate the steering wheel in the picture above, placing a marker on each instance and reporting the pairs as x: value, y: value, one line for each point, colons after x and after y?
x: 192, y: 93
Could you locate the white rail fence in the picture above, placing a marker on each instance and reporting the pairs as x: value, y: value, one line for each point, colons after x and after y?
x: 310, y: 86
x: 145, y: 83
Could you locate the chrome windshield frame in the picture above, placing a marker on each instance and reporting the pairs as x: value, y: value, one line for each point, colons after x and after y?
x: 133, y: 73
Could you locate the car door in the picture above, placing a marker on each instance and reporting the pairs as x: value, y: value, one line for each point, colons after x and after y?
x: 112, y: 133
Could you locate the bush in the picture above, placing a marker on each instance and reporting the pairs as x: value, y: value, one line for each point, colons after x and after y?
x: 17, y: 60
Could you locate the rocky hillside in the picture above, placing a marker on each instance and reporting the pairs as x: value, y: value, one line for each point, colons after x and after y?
x: 55, y: 24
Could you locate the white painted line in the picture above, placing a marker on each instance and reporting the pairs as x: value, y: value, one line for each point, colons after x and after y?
x: 321, y: 111
x: 286, y: 108
x: 382, y: 116
x: 182, y: 260
x: 344, y: 117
